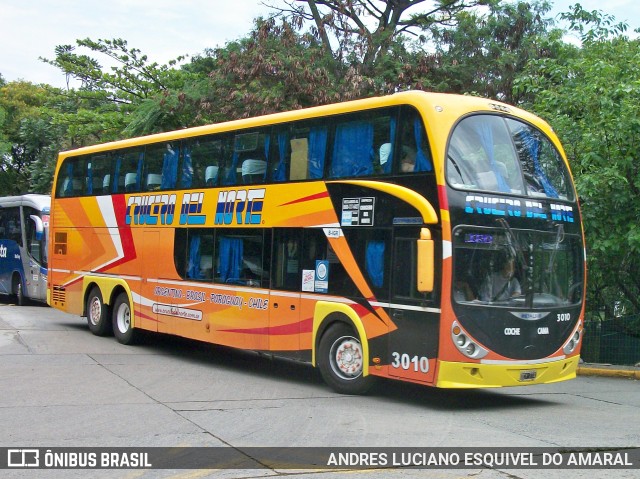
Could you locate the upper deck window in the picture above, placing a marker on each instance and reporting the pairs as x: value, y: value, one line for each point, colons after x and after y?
x: 492, y: 153
x: 381, y: 142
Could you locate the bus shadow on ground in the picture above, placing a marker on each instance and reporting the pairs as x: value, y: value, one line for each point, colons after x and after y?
x: 10, y: 300
x: 259, y: 365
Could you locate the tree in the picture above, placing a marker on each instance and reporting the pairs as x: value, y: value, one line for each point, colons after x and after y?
x: 592, y: 98
x: 362, y: 32
x: 275, y: 69
x: 28, y: 137
x: 109, y: 100
x: 485, y: 52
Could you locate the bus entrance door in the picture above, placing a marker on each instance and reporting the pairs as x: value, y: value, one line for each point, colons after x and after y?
x: 284, y: 298
x: 36, y: 242
x: 151, y: 293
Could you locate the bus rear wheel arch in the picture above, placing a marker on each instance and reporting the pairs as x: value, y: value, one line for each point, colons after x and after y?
x: 17, y: 289
x: 122, y: 320
x: 341, y: 360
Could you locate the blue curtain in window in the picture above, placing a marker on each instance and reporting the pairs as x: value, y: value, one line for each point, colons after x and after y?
x: 374, y: 262
x: 386, y: 166
x: 116, y: 175
x: 193, y: 269
x: 68, y: 185
x: 317, y: 151
x: 422, y: 162
x: 267, y: 144
x: 187, y: 168
x: 280, y: 172
x: 533, y: 145
x: 230, y: 178
x: 485, y: 133
x: 139, y: 175
x: 230, y: 260
x: 352, y: 150
x: 89, y: 179
x: 170, y: 168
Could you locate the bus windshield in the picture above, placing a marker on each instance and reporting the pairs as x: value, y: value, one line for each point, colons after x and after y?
x: 492, y: 153
x: 514, y: 268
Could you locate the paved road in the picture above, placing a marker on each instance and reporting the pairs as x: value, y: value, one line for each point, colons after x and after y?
x: 60, y: 386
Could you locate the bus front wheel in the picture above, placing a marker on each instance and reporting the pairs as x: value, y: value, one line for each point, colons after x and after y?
x: 97, y: 314
x: 341, y: 360
x: 122, y: 328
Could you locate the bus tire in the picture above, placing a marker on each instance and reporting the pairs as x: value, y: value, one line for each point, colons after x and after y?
x: 97, y: 313
x: 122, y: 328
x: 18, y: 291
x: 341, y: 360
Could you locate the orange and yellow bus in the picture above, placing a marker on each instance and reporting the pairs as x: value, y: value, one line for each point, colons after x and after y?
x: 423, y: 237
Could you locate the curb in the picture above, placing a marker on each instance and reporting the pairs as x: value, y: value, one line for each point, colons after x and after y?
x: 608, y: 372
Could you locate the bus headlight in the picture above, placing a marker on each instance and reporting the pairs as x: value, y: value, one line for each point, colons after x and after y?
x: 471, y: 349
x: 465, y: 344
x: 570, y: 345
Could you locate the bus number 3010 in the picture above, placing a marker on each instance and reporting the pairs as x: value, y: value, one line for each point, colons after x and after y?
x: 406, y: 362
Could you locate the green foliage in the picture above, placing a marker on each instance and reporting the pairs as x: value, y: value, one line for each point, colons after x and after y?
x: 592, y: 97
x: 27, y: 137
x: 485, y: 52
x: 274, y: 69
x: 130, y: 78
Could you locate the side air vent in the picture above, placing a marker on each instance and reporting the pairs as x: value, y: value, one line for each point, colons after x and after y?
x: 59, y: 295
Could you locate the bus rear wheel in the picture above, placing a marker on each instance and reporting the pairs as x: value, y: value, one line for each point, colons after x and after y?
x: 122, y: 328
x: 97, y: 314
x: 341, y: 360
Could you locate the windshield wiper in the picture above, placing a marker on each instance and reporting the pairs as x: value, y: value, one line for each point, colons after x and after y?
x: 554, y: 252
x: 512, y: 241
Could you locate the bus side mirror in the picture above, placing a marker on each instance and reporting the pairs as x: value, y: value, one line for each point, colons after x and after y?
x: 39, y: 226
x: 425, y: 272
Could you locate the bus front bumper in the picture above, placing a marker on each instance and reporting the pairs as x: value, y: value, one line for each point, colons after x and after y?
x: 478, y: 375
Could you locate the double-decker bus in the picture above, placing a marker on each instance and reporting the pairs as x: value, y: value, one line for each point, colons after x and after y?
x: 24, y: 223
x: 423, y: 237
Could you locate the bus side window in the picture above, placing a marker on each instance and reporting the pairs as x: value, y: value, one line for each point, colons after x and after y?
x: 352, y: 150
x: 300, y: 154
x: 160, y: 167
x: 10, y: 224
x: 286, y: 261
x: 72, y: 177
x: 180, y: 251
x: 128, y: 170
x: 200, y: 255
x: 99, y: 174
x: 241, y: 257
x: 372, y: 250
x: 202, y: 162
x: 415, y: 155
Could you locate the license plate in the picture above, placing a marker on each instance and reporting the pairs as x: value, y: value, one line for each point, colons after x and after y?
x: 528, y: 375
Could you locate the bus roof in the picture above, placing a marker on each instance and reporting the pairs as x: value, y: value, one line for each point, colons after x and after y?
x: 39, y: 202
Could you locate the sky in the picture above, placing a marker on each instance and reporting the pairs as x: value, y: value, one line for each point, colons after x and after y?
x: 161, y: 29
